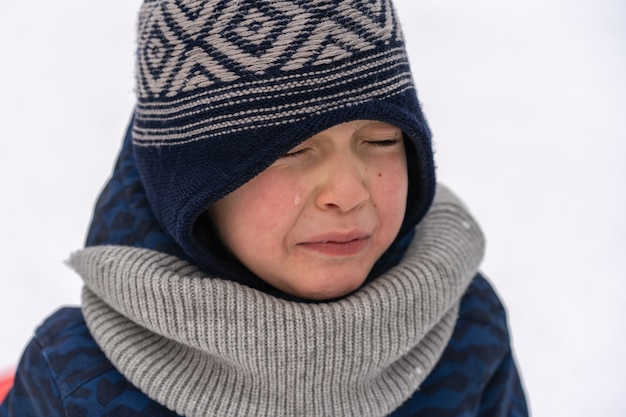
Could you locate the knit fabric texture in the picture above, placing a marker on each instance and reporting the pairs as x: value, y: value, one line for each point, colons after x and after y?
x: 204, y: 346
x: 224, y: 88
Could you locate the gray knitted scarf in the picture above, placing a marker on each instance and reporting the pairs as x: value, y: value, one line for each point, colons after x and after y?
x: 203, y: 346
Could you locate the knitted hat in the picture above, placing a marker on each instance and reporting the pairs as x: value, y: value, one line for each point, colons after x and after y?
x: 227, y: 87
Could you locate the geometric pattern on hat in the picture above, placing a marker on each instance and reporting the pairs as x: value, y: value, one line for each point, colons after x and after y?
x: 216, y: 68
x: 193, y: 44
x: 241, y: 106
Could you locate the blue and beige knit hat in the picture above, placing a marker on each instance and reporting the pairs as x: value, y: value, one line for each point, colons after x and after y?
x: 227, y: 87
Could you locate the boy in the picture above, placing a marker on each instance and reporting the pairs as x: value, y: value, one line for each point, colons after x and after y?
x: 270, y: 242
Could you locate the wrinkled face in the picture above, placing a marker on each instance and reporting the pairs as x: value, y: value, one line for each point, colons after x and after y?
x: 314, y: 223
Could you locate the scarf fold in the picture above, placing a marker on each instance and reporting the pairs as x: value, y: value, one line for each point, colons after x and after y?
x: 202, y: 346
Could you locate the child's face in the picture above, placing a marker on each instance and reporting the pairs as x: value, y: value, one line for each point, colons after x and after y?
x: 314, y: 223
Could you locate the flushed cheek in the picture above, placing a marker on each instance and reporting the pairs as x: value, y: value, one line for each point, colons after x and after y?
x: 275, y: 211
x: 389, y: 197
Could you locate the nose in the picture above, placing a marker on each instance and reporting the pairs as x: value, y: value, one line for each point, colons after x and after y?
x: 343, y: 186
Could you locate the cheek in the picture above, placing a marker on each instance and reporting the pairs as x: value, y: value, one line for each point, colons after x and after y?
x: 263, y: 210
x: 392, y: 188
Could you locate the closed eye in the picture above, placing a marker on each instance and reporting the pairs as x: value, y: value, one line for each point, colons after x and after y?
x: 385, y: 142
x: 295, y: 152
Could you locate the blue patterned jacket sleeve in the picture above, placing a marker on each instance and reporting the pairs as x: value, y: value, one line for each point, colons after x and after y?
x: 64, y: 373
x: 34, y: 391
x: 476, y: 375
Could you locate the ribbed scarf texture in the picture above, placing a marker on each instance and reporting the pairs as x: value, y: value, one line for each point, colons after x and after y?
x: 203, y: 346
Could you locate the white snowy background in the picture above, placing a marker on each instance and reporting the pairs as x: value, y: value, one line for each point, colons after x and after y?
x: 527, y: 101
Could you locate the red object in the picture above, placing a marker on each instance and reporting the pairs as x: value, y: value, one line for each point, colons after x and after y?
x: 6, y: 382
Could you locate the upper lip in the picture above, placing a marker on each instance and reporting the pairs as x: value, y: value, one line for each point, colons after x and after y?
x: 337, y: 237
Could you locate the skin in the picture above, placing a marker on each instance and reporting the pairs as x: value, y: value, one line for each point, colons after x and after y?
x: 314, y: 223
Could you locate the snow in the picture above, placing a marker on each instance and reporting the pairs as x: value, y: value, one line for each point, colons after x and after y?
x: 526, y: 100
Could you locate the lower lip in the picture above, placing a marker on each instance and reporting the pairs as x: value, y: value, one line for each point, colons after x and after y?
x: 351, y: 248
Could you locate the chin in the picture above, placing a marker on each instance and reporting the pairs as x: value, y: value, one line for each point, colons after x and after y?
x: 329, y: 291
